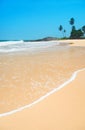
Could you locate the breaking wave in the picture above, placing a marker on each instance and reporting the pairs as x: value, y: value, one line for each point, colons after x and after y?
x: 15, y: 46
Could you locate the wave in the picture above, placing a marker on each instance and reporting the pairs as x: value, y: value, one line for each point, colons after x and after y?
x: 10, y: 42
x: 14, y: 46
x: 45, y: 96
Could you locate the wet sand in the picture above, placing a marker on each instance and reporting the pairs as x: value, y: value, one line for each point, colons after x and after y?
x: 63, y: 110
x: 26, y: 77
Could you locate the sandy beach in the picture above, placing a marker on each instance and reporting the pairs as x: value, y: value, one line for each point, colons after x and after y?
x: 75, y: 42
x: 63, y: 110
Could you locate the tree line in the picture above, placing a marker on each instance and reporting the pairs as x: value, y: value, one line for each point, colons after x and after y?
x: 75, y: 33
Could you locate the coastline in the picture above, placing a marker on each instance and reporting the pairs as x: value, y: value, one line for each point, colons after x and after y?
x: 66, y: 113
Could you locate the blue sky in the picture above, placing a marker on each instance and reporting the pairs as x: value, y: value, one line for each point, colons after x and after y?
x: 33, y: 19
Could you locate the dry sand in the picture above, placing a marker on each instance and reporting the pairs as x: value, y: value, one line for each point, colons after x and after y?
x: 63, y: 110
x: 74, y: 42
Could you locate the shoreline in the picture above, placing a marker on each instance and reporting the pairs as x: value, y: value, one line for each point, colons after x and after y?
x: 59, y: 110
x: 45, y: 96
x: 55, y: 89
x: 64, y: 110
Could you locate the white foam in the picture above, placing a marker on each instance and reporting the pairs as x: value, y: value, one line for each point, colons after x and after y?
x: 33, y: 43
x: 43, y: 97
x: 10, y: 42
x: 15, y: 46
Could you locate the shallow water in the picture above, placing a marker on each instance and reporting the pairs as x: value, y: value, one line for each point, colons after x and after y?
x: 26, y: 76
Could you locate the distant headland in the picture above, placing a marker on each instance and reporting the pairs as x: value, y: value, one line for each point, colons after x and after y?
x: 44, y: 39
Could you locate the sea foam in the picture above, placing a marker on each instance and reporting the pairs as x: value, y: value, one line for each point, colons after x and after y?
x: 45, y: 96
x: 14, y: 46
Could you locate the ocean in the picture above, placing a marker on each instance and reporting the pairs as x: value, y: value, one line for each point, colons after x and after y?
x: 16, y: 46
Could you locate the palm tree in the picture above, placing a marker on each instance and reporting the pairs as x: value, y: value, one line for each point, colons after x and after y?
x: 60, y: 28
x: 72, y: 24
x: 73, y: 28
x: 83, y: 29
x: 72, y: 21
x: 64, y: 33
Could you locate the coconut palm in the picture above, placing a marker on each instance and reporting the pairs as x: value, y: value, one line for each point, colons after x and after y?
x: 60, y: 28
x: 64, y: 32
x: 72, y: 21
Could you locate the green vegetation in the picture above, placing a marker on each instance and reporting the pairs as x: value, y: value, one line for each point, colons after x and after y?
x: 75, y: 33
x: 83, y: 29
x: 60, y: 28
x: 72, y: 21
x: 63, y: 31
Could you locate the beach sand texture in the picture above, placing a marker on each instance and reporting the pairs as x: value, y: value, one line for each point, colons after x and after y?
x: 78, y: 42
x: 26, y: 77
x: 63, y: 110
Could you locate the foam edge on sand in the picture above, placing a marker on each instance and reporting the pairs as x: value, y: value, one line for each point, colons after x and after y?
x: 43, y: 97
